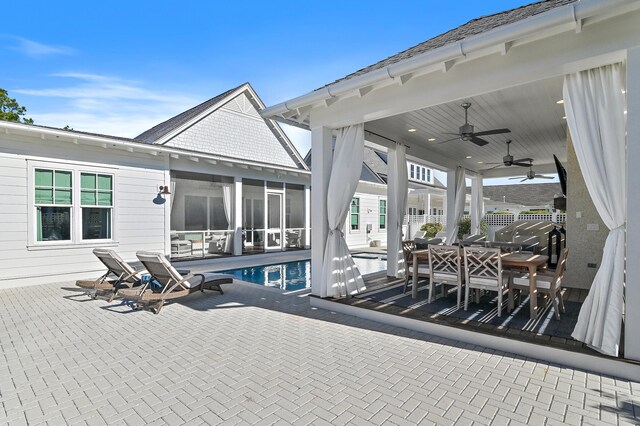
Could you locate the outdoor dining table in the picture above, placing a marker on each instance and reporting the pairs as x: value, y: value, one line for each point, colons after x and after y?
x: 532, y: 262
x: 511, y: 260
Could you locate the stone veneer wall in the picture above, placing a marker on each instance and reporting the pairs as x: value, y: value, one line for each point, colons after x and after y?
x: 585, y: 246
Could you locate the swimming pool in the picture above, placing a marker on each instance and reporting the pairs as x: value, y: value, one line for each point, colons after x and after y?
x: 297, y: 275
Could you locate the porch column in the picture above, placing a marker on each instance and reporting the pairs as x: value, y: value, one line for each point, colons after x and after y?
x: 321, y: 156
x: 237, y: 216
x: 428, y: 206
x: 477, y: 203
x: 449, y: 205
x: 307, y: 216
x: 393, y: 238
x: 632, y: 288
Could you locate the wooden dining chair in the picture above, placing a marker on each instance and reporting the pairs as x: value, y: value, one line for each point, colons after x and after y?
x: 445, y: 268
x: 423, y: 268
x: 547, y: 282
x: 483, y: 271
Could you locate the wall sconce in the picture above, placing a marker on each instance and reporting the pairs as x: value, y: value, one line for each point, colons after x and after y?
x: 164, y: 190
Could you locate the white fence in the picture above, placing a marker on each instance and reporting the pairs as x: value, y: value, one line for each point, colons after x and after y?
x: 493, y: 221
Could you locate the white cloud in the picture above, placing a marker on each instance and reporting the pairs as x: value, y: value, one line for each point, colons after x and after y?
x: 34, y: 49
x: 103, y: 104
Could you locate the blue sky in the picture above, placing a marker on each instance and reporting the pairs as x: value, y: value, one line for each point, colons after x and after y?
x: 121, y: 67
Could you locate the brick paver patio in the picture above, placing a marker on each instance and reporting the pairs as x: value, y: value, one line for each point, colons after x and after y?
x: 256, y: 356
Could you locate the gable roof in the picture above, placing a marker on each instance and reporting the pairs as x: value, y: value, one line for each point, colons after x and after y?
x: 225, y: 133
x: 158, y: 131
x: 471, y: 28
x: 534, y: 194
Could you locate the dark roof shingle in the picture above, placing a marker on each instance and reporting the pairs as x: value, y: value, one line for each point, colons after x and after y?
x: 157, y: 132
x: 471, y: 28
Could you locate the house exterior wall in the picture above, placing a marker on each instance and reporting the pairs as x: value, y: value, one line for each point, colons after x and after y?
x: 234, y: 130
x: 137, y: 224
x: 585, y: 247
x: 370, y: 196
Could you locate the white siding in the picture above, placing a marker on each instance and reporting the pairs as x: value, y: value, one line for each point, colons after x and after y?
x: 138, y: 223
x: 369, y: 211
x: 234, y: 130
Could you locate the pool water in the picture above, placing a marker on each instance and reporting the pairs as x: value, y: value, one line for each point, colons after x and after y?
x: 292, y: 276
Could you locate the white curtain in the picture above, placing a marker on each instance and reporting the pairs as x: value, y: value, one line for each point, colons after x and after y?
x: 173, y: 195
x: 477, y: 204
x: 398, y: 175
x: 227, y: 201
x: 594, y: 104
x: 340, y: 276
x: 459, y: 198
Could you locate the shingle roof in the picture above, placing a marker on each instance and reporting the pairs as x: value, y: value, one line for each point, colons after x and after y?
x: 158, y: 131
x: 471, y: 28
x: 366, y: 175
x: 535, y: 194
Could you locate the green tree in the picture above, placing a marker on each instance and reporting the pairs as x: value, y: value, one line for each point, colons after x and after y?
x: 11, y: 110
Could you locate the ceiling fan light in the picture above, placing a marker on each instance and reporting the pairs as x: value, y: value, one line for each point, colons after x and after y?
x: 411, y: 130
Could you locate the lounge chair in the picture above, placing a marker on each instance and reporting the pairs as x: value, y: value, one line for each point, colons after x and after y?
x: 119, y: 275
x: 173, y: 285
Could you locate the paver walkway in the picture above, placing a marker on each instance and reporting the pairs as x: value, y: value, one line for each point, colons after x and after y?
x: 256, y: 356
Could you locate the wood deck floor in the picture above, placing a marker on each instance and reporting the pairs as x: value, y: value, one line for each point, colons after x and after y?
x: 380, y: 282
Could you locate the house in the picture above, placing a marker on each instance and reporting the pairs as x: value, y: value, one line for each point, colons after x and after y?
x: 366, y: 223
x: 533, y: 73
x: 215, y: 180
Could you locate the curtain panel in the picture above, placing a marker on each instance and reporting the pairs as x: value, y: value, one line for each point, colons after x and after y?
x: 460, y: 195
x: 340, y: 276
x: 594, y: 103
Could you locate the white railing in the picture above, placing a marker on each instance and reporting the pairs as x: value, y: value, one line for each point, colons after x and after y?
x: 493, y: 221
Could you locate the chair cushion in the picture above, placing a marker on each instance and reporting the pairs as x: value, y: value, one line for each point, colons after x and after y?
x: 422, y: 270
x: 443, y: 276
x: 542, y: 281
x: 488, y: 282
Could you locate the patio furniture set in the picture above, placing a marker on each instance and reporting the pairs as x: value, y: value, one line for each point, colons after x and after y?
x: 151, y: 286
x: 479, y: 266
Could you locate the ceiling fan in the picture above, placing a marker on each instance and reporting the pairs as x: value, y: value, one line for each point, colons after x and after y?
x: 466, y: 132
x: 531, y: 174
x: 508, y: 160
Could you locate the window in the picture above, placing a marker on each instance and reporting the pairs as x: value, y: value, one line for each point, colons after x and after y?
x: 355, y: 214
x: 96, y: 201
x: 70, y: 205
x: 428, y: 175
x: 53, y: 201
x: 424, y: 175
x: 412, y: 172
x: 383, y: 214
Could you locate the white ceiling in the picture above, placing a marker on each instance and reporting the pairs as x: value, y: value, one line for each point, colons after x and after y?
x: 530, y: 111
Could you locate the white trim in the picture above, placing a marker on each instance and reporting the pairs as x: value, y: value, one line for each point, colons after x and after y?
x: 582, y: 361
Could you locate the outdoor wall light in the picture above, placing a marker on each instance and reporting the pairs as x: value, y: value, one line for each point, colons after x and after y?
x: 164, y: 190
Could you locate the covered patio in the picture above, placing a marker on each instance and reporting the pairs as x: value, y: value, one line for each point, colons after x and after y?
x: 555, y: 74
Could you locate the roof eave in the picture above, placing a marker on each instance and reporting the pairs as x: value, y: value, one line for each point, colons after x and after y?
x: 537, y: 25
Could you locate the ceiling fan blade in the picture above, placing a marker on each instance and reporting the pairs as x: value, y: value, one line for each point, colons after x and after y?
x: 522, y: 160
x: 448, y: 140
x: 544, y: 177
x: 515, y: 163
x: 456, y: 134
x: 517, y: 177
x: 478, y: 141
x: 492, y: 132
x: 494, y: 167
x: 524, y: 179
